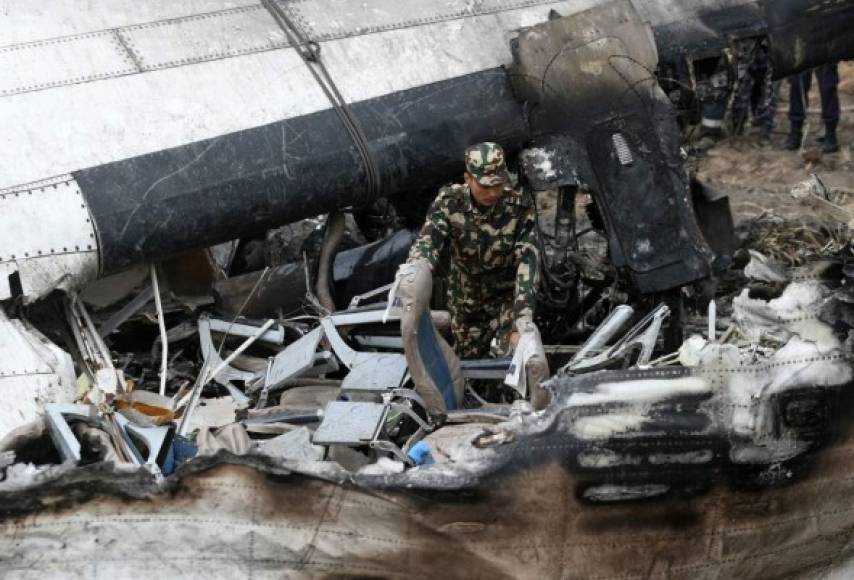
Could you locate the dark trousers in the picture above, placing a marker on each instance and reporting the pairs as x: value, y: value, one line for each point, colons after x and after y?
x: 799, y: 88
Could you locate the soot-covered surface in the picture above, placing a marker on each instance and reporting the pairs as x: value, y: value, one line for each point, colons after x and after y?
x: 517, y: 515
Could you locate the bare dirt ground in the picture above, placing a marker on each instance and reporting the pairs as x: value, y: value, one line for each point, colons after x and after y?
x: 760, y: 179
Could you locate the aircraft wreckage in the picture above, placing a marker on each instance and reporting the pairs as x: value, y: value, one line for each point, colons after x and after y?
x: 191, y: 388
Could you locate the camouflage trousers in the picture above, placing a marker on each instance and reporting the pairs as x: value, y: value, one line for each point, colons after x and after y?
x: 473, y: 331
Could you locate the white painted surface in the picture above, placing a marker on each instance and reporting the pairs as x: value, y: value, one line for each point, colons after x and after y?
x: 80, y: 126
x: 62, y: 61
x: 33, y: 372
x: 47, y: 236
x: 85, y: 124
x: 25, y: 20
x: 642, y: 391
x: 41, y: 275
x: 608, y: 425
x: 605, y: 458
x: 329, y: 19
x: 206, y: 37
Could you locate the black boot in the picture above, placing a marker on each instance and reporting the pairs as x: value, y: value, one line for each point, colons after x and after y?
x: 829, y: 144
x: 793, y: 141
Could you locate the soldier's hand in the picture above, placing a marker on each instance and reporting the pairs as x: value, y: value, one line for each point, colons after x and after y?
x: 514, y: 339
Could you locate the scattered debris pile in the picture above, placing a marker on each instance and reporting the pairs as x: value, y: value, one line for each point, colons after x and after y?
x: 160, y: 379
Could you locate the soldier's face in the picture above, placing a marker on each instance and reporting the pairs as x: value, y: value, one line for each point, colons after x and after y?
x: 483, y: 195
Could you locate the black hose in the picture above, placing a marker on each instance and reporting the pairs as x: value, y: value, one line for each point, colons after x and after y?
x: 331, y: 238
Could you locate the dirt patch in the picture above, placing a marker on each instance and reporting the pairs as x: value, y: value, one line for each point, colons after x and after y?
x: 760, y: 179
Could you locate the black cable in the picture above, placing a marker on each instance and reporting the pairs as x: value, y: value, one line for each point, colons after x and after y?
x: 554, y: 300
x: 309, y: 51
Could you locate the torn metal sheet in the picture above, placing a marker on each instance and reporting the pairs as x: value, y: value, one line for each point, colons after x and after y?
x: 47, y: 238
x: 298, y: 357
x: 34, y: 372
x: 599, y: 113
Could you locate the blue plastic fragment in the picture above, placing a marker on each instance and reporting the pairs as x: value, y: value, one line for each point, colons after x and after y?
x: 181, y: 450
x: 420, y: 454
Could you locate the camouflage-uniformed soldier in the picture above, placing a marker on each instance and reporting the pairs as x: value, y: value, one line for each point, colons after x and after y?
x: 491, y: 231
x: 755, y: 91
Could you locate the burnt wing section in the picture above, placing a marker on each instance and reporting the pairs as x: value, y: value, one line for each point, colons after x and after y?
x: 163, y: 203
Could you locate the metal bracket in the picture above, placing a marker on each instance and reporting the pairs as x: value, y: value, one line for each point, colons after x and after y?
x: 391, y: 448
x: 56, y: 416
x: 154, y: 437
x: 644, y: 333
x: 227, y: 374
x: 356, y: 300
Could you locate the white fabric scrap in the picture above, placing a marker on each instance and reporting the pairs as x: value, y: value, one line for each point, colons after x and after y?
x: 530, y: 345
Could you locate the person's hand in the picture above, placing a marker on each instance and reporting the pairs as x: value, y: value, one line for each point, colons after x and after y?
x: 514, y: 339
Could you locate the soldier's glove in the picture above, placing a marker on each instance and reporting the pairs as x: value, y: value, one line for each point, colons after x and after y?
x: 529, y: 346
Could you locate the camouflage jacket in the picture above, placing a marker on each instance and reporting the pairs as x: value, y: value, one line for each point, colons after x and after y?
x: 494, y: 254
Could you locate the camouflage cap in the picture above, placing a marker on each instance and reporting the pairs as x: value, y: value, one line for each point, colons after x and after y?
x: 485, y: 162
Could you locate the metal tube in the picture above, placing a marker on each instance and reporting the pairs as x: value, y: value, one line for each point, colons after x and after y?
x: 605, y: 332
x: 164, y: 342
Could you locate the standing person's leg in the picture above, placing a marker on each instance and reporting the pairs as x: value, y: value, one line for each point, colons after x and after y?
x: 799, y: 87
x: 757, y: 93
x: 472, y: 336
x: 828, y: 81
x: 742, y: 100
x: 768, y: 109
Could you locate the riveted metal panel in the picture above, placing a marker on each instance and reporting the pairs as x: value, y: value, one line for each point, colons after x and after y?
x: 47, y: 237
x: 189, y: 39
x: 34, y: 185
x: 26, y: 21
x: 203, y: 37
x: 61, y: 61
